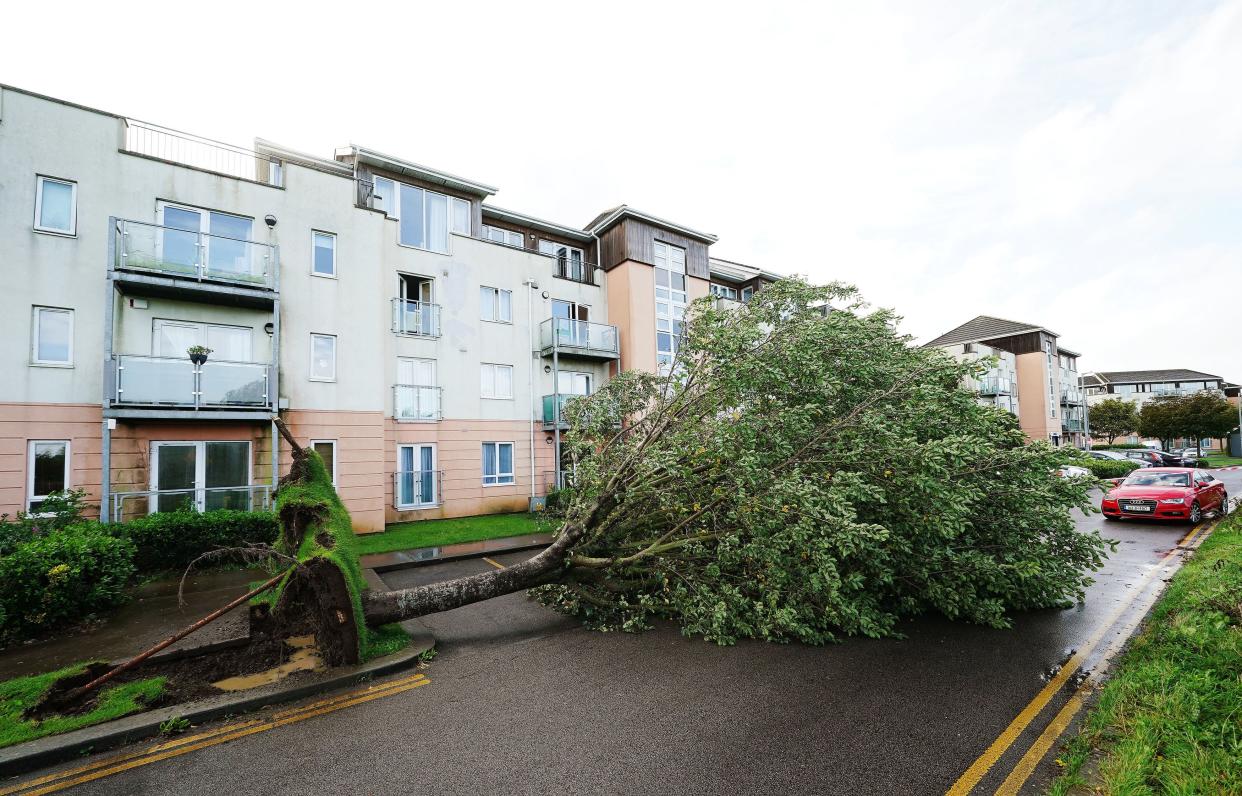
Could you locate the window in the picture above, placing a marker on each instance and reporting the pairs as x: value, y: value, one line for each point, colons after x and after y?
x: 461, y: 216
x: 496, y: 381
x: 505, y: 236
x: 671, y: 299
x: 569, y: 382
x: 747, y: 293
x: 423, y: 218
x: 200, y: 475
x: 415, y: 396
x: 52, y: 338
x: 219, y: 242
x: 326, y: 448
x: 56, y: 206
x: 323, y: 253
x: 497, y: 463
x: 968, y: 348
x: 496, y: 304
x: 384, y: 196
x: 323, y: 357
x: 416, y: 476
x: 227, y: 343
x: 724, y: 291
x: 47, y: 471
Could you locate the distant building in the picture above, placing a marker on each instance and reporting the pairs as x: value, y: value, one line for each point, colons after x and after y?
x: 1140, y: 386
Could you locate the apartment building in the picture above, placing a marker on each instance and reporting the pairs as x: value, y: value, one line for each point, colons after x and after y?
x: 421, y: 338
x: 1032, y: 376
x: 1140, y: 386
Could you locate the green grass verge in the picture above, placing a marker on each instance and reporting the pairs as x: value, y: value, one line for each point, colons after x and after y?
x: 435, y: 533
x: 1221, y: 460
x: 384, y: 641
x: 1170, y: 718
x: 20, y: 693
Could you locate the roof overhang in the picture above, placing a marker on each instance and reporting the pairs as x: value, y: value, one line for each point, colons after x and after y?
x: 424, y: 173
x: 738, y: 272
x: 265, y: 147
x: 1063, y: 350
x: 625, y: 211
x: 499, y: 213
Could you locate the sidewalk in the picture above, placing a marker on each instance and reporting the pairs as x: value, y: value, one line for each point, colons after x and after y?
x: 400, y: 559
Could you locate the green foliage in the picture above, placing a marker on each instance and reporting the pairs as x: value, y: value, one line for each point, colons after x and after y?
x: 1106, y: 468
x: 1198, y: 415
x: 171, y: 540
x: 806, y: 475
x: 1120, y: 446
x: 384, y: 640
x: 174, y: 726
x: 59, y: 510
x: 1167, y: 721
x: 61, y: 578
x: 19, y: 694
x: 436, y: 533
x: 1114, y: 417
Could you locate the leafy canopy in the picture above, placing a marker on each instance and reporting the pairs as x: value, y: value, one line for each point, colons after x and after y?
x: 1114, y: 417
x: 805, y: 474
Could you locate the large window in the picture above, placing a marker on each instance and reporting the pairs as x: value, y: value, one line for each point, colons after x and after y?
x: 416, y: 396
x: 724, y: 291
x: 496, y: 304
x: 226, y: 240
x: 671, y: 299
x: 323, y: 357
x: 56, y: 206
x: 47, y: 471
x: 227, y: 343
x: 496, y: 381
x: 570, y: 261
x: 497, y: 463
x: 323, y: 253
x: 505, y: 236
x: 424, y: 217
x: 326, y: 448
x: 200, y: 475
x: 52, y: 336
x: 416, y: 476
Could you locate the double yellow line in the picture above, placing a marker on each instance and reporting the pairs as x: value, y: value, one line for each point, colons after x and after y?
x: 191, y: 743
x: 1022, y: 771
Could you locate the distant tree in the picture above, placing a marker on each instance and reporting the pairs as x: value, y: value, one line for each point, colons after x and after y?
x: 1207, y: 415
x: 1113, y: 418
x: 1163, y: 418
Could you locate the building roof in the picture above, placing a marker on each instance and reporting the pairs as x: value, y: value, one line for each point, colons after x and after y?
x: 733, y: 271
x: 1090, y: 380
x: 1063, y: 350
x: 985, y: 327
x: 411, y: 169
x: 1144, y: 376
x: 521, y: 219
x: 609, y: 217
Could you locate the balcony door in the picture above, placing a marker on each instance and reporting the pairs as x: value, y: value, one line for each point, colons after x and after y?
x: 569, y: 261
x: 416, y: 476
x: 570, y: 383
x: 571, y: 321
x: 416, y: 313
x: 225, y: 240
x: 416, y: 395
x: 201, y: 476
x: 227, y: 343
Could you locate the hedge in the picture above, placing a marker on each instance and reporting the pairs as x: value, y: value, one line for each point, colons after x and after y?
x: 61, y: 578
x: 1108, y: 468
x: 172, y: 540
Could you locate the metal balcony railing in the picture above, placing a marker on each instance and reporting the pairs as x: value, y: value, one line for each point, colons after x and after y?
x: 416, y: 402
x: 995, y: 387
x: 162, y: 143
x: 190, y: 254
x: 578, y: 337
x: 178, y: 382
x: 554, y: 408
x: 418, y: 318
x: 1073, y: 425
x: 128, y: 505
x: 576, y: 270
x: 417, y: 489
x: 1071, y: 397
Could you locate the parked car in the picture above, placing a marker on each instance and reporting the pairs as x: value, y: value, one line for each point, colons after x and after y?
x: 1165, y: 493
x: 1117, y: 456
x: 1156, y: 457
x: 1073, y: 471
x: 1191, y: 459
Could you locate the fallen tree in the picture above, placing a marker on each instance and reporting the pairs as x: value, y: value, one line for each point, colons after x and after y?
x: 798, y: 473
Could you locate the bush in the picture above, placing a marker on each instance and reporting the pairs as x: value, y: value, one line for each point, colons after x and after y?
x: 1107, y: 468
x: 59, y: 510
x: 63, y: 577
x: 172, y: 540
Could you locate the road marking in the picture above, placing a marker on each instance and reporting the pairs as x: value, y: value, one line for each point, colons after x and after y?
x: 495, y: 564
x: 163, y: 751
x: 978, y: 769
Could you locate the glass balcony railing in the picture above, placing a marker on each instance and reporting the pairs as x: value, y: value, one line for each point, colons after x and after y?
x: 190, y: 254
x: 130, y: 505
x: 419, y: 318
x: 415, y: 402
x: 1073, y: 425
x: 176, y: 382
x: 554, y: 407
x: 578, y: 337
x: 995, y: 387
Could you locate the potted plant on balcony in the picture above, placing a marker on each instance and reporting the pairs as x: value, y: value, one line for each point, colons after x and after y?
x: 198, y: 354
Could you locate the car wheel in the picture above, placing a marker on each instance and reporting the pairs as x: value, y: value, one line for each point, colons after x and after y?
x: 1110, y: 518
x: 1196, y: 513
x: 1224, y: 503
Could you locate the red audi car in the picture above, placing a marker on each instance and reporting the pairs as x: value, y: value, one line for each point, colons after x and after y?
x: 1165, y: 493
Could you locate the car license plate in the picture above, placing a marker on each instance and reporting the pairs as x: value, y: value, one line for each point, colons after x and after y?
x: 1131, y: 507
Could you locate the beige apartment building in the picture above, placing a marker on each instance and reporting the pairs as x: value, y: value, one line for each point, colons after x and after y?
x: 421, y: 338
x: 1140, y: 386
x: 1032, y: 376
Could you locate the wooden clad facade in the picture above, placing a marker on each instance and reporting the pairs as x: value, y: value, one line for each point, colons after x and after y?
x: 632, y: 239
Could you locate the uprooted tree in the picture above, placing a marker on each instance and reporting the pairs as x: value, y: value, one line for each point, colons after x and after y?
x: 800, y: 473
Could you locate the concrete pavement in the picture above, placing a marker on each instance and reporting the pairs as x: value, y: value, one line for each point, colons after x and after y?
x: 525, y: 701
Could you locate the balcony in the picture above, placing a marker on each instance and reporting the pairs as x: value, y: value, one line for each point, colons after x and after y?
x: 154, y: 386
x: 1070, y: 425
x: 554, y: 411
x: 583, y: 339
x: 1071, y: 397
x: 415, y: 318
x: 166, y: 261
x: 162, y: 143
x: 995, y: 387
x: 576, y: 271
x: 413, y: 403
x: 129, y: 505
x: 416, y: 489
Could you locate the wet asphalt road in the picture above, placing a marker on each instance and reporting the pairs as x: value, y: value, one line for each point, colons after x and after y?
x: 524, y: 701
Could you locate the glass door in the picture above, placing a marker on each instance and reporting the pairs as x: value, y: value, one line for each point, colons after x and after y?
x: 174, y: 466
x: 416, y: 476
x: 202, y: 473
x: 178, y: 246
x: 226, y: 464
x: 416, y: 395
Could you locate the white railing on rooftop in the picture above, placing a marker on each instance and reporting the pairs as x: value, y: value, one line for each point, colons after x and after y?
x: 174, y: 146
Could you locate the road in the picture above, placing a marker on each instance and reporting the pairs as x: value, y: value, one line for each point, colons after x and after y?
x: 524, y: 701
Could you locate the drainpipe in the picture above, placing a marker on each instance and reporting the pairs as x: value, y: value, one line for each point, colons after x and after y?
x: 530, y: 374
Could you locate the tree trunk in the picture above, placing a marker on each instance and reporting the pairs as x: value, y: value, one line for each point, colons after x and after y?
x: 382, y: 608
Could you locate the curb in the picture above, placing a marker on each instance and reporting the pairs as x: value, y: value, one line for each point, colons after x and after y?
x: 57, y: 748
x: 424, y: 556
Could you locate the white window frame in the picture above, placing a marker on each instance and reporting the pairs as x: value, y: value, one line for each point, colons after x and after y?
x: 496, y: 305
x: 315, y: 233
x: 331, y: 442
x: 200, y: 469
x: 35, y: 312
x: 493, y: 366
x: 508, y: 237
x: 396, y: 213
x: 30, y: 469
x: 436, y: 486
x: 454, y: 203
x: 511, y: 475
x: 203, y: 327
x: 72, y: 232
x: 723, y: 291
x: 311, y: 371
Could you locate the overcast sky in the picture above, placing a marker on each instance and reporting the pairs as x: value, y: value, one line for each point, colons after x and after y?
x: 1076, y: 165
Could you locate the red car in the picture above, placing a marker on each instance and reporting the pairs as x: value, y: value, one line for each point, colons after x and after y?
x: 1165, y: 493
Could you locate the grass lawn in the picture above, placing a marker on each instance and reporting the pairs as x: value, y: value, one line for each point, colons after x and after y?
x: 434, y: 533
x: 1221, y: 460
x: 20, y: 693
x: 1170, y: 718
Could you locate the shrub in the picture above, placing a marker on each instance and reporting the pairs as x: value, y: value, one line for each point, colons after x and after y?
x: 63, y: 577
x: 172, y: 540
x: 1107, y: 468
x: 59, y: 510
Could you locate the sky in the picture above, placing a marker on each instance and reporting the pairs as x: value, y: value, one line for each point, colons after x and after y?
x: 1075, y: 165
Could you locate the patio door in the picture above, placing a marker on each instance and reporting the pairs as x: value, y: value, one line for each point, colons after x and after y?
x: 416, y: 476
x: 224, y: 239
x: 416, y: 396
x: 227, y: 343
x: 201, y: 476
x: 570, y: 320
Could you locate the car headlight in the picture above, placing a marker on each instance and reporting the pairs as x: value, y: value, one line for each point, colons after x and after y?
x: 1175, y: 501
